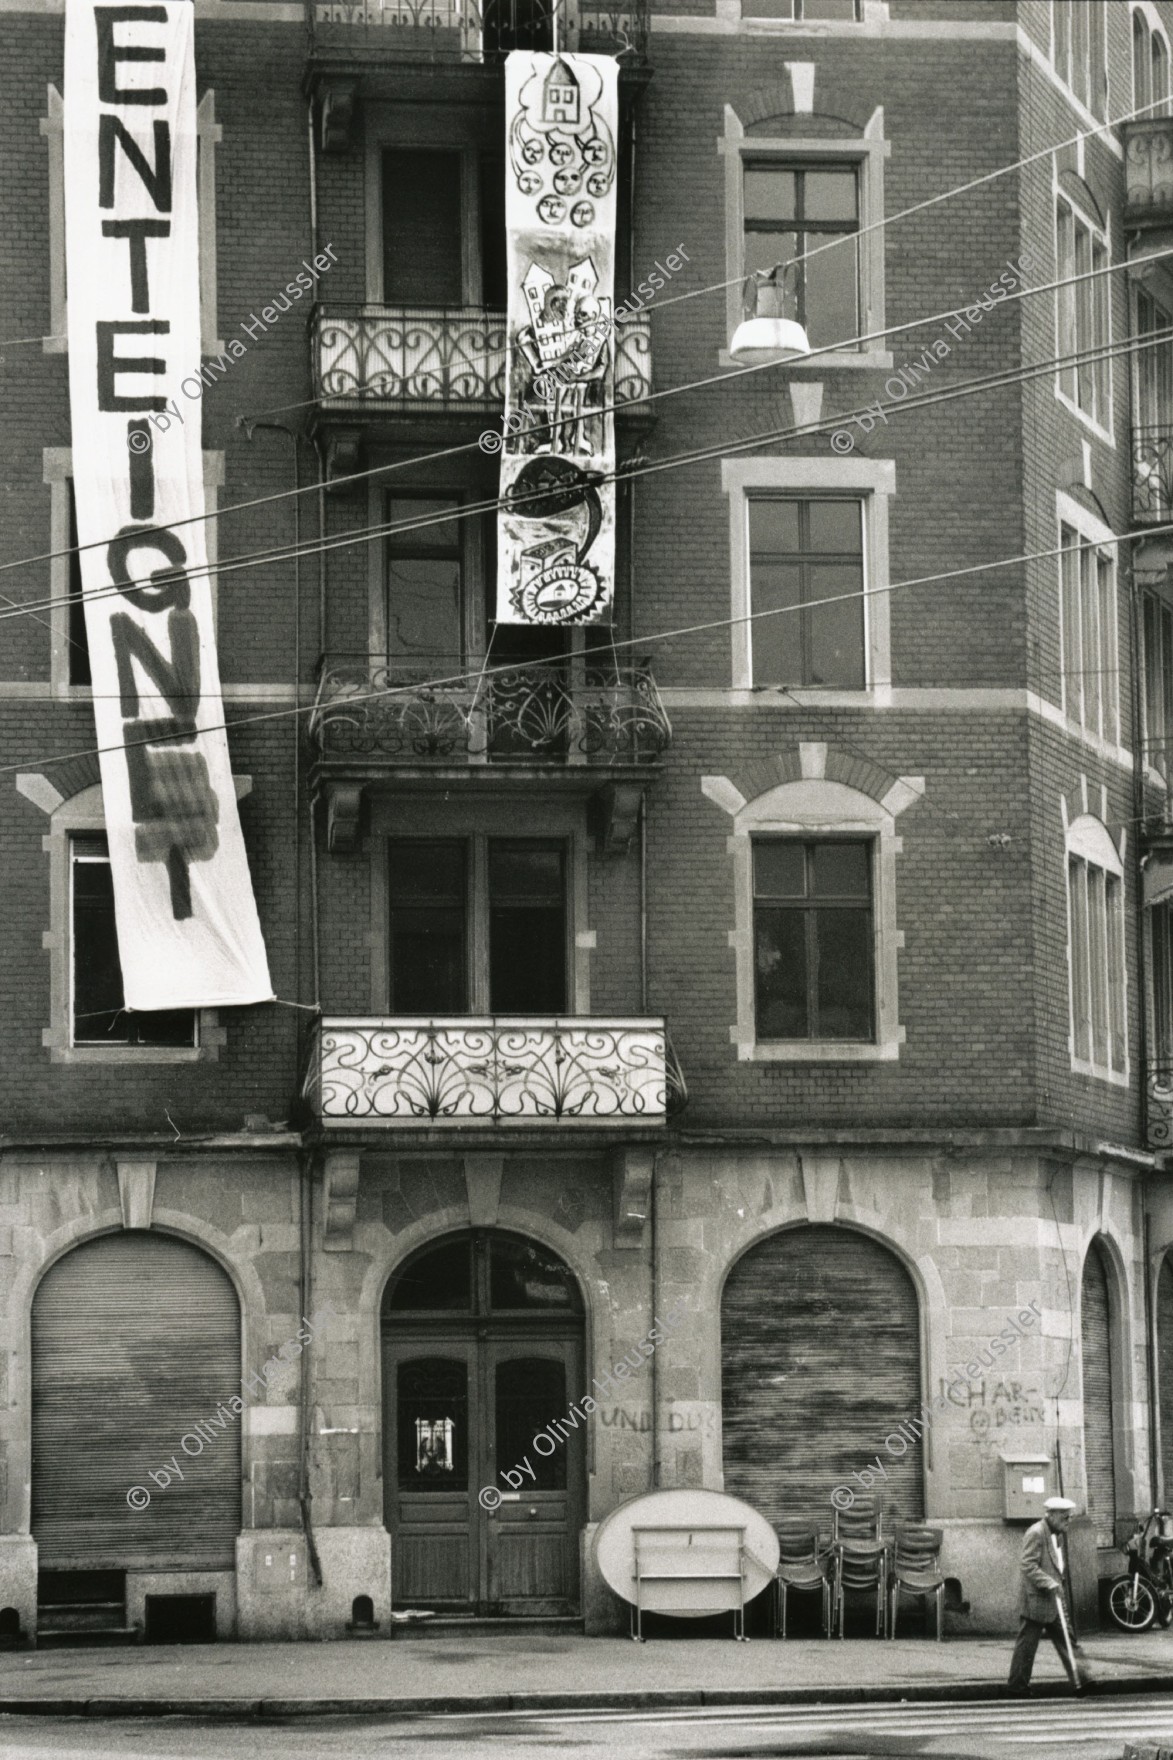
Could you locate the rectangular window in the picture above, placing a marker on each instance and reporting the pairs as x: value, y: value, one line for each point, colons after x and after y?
x: 1083, y: 321
x: 791, y: 210
x: 1077, y: 28
x: 429, y: 927
x: 443, y: 227
x: 527, y: 928
x: 1161, y: 922
x: 477, y: 925
x: 1157, y: 635
x: 1153, y: 370
x: 425, y: 581
x: 1096, y: 912
x: 79, y: 646
x: 806, y: 570
x: 1091, y: 690
x: 848, y: 10
x: 97, y: 1012
x: 1150, y: 69
x: 813, y: 940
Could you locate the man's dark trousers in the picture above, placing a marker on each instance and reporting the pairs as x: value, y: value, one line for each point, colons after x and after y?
x: 1023, y: 1660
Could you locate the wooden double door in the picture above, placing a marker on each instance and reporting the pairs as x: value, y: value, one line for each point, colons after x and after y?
x: 461, y: 1408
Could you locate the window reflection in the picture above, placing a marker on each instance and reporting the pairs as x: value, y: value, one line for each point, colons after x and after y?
x: 433, y: 1424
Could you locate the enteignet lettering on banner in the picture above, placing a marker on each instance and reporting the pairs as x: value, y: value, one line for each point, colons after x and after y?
x: 188, y: 931
x: 556, y: 525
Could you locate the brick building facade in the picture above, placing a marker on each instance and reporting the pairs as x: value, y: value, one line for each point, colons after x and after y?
x: 849, y: 1181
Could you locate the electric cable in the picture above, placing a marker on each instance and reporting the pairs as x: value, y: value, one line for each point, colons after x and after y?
x: 458, y: 678
x: 722, y: 448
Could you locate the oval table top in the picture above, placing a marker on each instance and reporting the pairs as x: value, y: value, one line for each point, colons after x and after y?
x: 614, y: 1547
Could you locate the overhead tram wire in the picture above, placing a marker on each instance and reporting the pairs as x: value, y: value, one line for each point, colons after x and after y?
x: 723, y: 447
x: 642, y: 641
x: 704, y: 383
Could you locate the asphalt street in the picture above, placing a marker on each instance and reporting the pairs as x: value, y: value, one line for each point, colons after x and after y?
x: 1048, y: 1730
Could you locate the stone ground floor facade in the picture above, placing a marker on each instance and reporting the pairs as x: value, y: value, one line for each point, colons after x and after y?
x: 567, y: 1324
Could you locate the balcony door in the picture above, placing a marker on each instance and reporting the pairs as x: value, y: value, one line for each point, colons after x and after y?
x: 482, y: 1353
x: 478, y: 925
x: 443, y: 212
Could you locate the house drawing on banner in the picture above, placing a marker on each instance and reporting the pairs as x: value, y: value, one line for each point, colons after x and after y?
x: 561, y: 97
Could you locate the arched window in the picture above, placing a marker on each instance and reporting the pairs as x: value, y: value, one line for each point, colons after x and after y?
x: 1095, y: 916
x: 1150, y: 67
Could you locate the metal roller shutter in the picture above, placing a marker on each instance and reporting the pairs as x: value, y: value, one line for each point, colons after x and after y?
x: 136, y: 1338
x: 1165, y: 1371
x: 1095, y: 1334
x: 820, y: 1355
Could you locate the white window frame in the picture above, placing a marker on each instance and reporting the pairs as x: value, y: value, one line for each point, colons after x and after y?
x: 869, y: 12
x: 1067, y: 312
x: 1149, y: 19
x: 868, y: 152
x: 1106, y: 738
x: 816, y: 806
x: 84, y: 812
x: 1098, y: 104
x: 209, y: 134
x: 56, y: 473
x: 1088, y: 848
x: 871, y: 480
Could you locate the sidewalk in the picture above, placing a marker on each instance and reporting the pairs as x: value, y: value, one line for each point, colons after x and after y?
x: 513, y: 1671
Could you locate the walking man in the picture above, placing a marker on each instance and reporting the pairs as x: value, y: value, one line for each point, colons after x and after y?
x: 1044, y: 1597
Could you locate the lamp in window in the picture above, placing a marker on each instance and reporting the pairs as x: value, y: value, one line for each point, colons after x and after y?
x: 768, y: 334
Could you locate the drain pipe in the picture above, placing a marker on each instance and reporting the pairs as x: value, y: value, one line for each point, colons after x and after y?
x: 1142, y: 987
x: 305, y: 1496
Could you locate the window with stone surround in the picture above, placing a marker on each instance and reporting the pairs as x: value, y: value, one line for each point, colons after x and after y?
x: 803, y: 530
x: 809, y: 989
x: 788, y: 194
x: 1088, y: 619
x: 1096, y: 947
x: 1150, y: 64
x: 1077, y: 51
x: 82, y: 961
x: 1083, y: 319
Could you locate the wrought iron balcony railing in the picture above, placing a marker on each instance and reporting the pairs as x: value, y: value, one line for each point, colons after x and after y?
x: 492, y: 1070
x: 1159, y: 1105
x: 1148, y: 171
x: 576, y: 711
x: 1152, y: 475
x: 430, y: 358
x: 477, y: 31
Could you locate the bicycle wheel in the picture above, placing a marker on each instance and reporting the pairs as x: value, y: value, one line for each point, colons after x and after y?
x: 1132, y: 1604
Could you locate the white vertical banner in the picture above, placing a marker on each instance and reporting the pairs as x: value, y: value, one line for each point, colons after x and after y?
x: 556, y: 527
x: 188, y: 931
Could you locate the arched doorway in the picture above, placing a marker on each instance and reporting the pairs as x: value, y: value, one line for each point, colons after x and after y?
x: 820, y: 1362
x: 1098, y: 1393
x: 136, y: 1340
x: 482, y: 1354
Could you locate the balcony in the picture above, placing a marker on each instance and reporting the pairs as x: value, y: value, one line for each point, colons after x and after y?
x: 583, y: 724
x: 474, y: 32
x: 1152, y: 475
x: 436, y: 360
x: 1148, y: 170
x: 492, y: 1071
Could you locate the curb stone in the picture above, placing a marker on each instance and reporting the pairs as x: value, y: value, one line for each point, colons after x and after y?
x: 249, y: 1710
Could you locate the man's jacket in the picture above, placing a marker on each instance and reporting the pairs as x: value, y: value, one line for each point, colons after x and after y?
x: 1038, y: 1576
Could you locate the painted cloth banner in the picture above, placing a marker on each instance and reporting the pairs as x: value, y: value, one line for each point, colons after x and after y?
x: 188, y: 931
x: 556, y: 527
